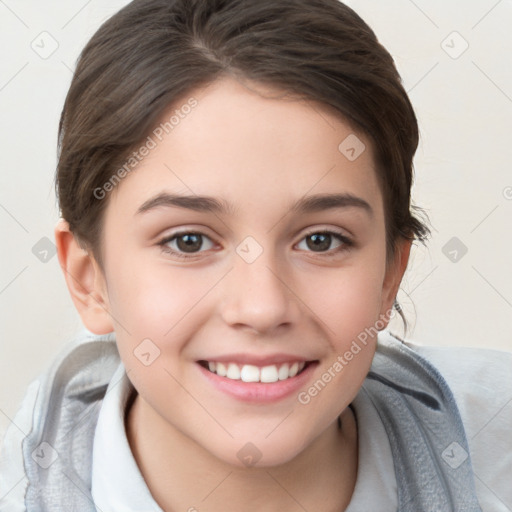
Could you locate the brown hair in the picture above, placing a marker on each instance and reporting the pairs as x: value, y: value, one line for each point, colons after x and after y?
x: 153, y: 52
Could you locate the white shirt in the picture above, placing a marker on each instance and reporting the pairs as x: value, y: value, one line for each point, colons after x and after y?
x: 480, y: 380
x: 117, y: 484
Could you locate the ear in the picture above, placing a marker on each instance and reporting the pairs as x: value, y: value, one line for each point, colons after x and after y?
x: 85, y: 281
x: 394, y: 273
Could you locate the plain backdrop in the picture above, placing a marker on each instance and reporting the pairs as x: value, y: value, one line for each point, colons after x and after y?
x: 455, y: 60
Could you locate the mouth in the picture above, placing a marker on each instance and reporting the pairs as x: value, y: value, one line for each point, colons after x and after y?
x: 251, y: 373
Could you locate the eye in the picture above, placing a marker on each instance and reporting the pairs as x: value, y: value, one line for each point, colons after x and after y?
x: 186, y: 242
x: 320, y: 241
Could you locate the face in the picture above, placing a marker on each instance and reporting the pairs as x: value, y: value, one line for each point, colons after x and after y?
x: 270, y: 269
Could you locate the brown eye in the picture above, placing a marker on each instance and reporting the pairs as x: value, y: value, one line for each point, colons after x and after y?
x: 321, y: 242
x: 181, y: 244
x: 189, y: 242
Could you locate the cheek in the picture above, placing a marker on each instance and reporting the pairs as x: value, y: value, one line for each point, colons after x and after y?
x: 347, y: 300
x: 150, y: 298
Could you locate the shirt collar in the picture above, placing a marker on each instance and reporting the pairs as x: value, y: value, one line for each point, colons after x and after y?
x: 117, y: 483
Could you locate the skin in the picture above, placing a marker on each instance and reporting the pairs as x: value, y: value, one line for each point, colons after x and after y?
x: 261, y: 152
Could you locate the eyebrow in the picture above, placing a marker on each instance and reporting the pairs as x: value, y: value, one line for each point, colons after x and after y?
x: 308, y: 204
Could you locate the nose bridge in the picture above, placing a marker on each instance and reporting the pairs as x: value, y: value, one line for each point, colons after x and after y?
x: 257, y: 294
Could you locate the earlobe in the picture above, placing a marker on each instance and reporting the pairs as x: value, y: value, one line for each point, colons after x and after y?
x: 394, y: 274
x: 85, y: 281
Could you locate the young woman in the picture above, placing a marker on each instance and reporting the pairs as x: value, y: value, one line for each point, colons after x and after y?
x: 234, y: 179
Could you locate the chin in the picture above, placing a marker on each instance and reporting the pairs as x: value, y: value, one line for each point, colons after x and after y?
x: 258, y: 453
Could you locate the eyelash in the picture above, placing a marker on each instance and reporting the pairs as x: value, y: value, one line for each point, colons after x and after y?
x: 347, y: 243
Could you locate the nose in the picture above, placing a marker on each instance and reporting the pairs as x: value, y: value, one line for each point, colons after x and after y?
x: 258, y: 296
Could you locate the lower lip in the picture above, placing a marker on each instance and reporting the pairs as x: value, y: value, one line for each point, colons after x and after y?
x: 259, y: 392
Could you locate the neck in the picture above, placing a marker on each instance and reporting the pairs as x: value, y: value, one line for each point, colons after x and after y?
x: 183, y: 476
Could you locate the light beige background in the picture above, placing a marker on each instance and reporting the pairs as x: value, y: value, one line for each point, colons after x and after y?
x: 463, y: 170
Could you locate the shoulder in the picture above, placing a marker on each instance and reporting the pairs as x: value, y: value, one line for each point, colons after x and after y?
x: 481, y: 382
x: 57, y: 399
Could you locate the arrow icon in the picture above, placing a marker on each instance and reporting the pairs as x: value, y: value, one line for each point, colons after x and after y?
x: 40, y: 45
x: 146, y: 352
x: 454, y: 249
x: 45, y: 455
x: 454, y: 455
x: 454, y: 45
x: 351, y: 147
x: 249, y: 253
x: 249, y: 454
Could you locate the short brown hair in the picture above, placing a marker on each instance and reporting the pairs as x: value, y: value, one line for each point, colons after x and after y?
x: 153, y: 52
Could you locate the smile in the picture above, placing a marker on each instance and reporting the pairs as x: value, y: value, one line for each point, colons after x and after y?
x: 252, y: 373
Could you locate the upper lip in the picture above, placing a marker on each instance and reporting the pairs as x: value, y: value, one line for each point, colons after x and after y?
x: 258, y: 360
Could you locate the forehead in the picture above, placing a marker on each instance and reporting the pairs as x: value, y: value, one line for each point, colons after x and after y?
x: 251, y: 145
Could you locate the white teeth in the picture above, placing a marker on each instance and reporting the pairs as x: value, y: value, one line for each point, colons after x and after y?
x: 269, y: 374
x: 233, y: 372
x: 294, y: 368
x: 251, y: 373
x: 283, y: 372
x: 221, y: 369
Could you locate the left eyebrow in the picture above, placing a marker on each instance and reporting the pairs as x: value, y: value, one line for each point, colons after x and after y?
x: 320, y: 202
x: 308, y: 204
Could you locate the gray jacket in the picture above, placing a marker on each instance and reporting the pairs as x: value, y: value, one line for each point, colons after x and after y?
x: 49, y: 452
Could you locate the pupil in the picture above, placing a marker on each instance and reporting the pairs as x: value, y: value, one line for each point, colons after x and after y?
x: 191, y: 242
x: 322, y: 241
